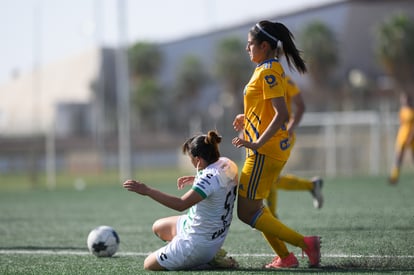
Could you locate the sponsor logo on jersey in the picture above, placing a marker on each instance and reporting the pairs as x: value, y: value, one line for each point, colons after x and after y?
x: 270, y: 80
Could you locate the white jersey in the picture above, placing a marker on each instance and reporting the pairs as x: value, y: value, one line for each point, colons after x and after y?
x: 210, y: 219
x: 202, y: 231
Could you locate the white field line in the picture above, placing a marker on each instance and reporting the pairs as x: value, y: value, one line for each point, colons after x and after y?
x: 74, y: 252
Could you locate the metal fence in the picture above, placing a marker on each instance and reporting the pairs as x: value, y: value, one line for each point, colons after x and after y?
x: 344, y: 143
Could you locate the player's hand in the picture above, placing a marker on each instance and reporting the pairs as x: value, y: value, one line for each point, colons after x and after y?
x: 185, y: 180
x: 239, y: 142
x: 136, y: 186
x: 238, y: 122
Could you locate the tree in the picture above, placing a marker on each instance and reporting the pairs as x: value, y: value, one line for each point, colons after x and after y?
x: 145, y: 60
x: 395, y: 49
x: 146, y: 98
x: 191, y: 77
x: 320, y: 50
x: 233, y: 69
x: 321, y: 54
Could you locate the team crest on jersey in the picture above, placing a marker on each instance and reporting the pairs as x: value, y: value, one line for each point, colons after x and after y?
x: 270, y: 80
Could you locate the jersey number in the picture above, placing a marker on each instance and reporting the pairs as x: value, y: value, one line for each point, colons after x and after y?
x: 228, y: 206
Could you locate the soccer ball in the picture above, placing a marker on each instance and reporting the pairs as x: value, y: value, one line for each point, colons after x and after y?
x: 103, y: 241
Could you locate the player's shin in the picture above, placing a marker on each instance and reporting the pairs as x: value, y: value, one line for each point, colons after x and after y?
x: 269, y: 225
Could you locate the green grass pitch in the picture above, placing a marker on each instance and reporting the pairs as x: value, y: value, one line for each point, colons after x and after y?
x: 366, y: 225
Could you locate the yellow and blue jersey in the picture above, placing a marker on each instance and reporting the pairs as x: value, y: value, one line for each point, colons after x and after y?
x: 406, y: 126
x: 268, y: 81
x: 291, y: 91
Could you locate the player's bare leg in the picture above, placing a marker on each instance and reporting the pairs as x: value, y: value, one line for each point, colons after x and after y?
x: 166, y: 228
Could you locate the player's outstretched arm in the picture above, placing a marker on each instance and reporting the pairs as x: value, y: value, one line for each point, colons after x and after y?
x: 180, y: 204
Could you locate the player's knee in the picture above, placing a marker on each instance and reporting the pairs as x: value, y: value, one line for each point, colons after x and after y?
x: 247, y: 210
x: 147, y: 266
x: 162, y: 230
x: 242, y: 215
x: 156, y: 227
x: 151, y: 263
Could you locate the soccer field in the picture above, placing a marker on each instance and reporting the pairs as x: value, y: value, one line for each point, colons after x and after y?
x: 366, y: 225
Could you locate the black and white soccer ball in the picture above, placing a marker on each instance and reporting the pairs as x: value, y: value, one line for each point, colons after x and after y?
x: 103, y: 241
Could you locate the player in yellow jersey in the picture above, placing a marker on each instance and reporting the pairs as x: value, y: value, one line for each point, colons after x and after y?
x: 267, y: 141
x: 296, y: 108
x: 405, y: 136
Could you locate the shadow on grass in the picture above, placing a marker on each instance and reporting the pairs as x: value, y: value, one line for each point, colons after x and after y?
x: 362, y: 228
x: 331, y: 269
x: 345, y: 266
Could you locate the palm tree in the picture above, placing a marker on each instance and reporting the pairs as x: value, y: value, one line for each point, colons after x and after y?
x: 395, y: 49
x: 145, y: 61
x: 191, y: 77
x: 321, y: 54
x: 146, y: 98
x: 233, y: 69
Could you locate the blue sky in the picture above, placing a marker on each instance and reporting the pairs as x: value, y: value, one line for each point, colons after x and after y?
x: 44, y: 31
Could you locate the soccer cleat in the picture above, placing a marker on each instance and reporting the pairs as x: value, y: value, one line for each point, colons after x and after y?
x: 288, y: 262
x: 221, y: 260
x: 317, y: 192
x: 313, y: 250
x: 392, y: 180
x: 395, y: 174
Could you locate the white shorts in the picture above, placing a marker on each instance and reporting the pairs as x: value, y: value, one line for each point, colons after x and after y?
x: 186, y: 253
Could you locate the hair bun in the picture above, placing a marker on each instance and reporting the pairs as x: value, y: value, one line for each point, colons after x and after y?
x: 213, y: 137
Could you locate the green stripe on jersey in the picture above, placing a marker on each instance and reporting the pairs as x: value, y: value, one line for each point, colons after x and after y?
x: 199, y: 191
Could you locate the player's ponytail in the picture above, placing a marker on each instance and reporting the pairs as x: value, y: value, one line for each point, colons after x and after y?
x: 275, y: 33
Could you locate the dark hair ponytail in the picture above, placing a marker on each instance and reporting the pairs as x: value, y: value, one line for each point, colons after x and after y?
x: 269, y: 31
x: 204, y: 146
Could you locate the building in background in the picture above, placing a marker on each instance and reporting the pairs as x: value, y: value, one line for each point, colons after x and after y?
x: 62, y: 97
